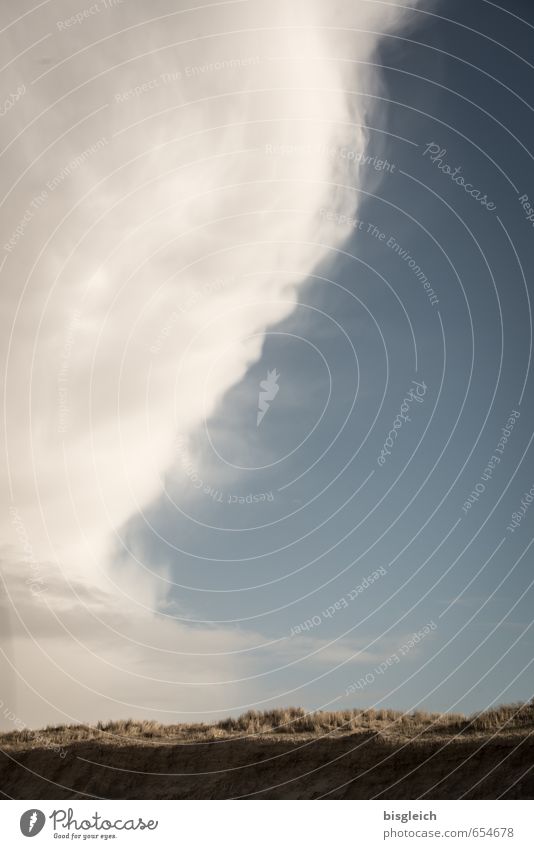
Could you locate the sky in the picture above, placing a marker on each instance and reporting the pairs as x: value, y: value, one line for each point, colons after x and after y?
x: 267, y: 357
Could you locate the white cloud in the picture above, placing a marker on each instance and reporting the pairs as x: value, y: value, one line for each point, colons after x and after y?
x: 149, y: 270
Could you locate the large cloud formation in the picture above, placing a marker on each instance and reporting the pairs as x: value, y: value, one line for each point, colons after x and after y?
x: 153, y: 228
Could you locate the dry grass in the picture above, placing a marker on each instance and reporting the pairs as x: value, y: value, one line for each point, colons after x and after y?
x: 285, y: 721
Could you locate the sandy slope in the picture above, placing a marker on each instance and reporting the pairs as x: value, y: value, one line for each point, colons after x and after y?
x: 358, y: 765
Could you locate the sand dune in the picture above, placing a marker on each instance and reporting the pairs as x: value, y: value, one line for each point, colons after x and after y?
x: 284, y: 754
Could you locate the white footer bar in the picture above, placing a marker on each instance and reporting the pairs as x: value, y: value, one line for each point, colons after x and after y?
x: 268, y: 824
